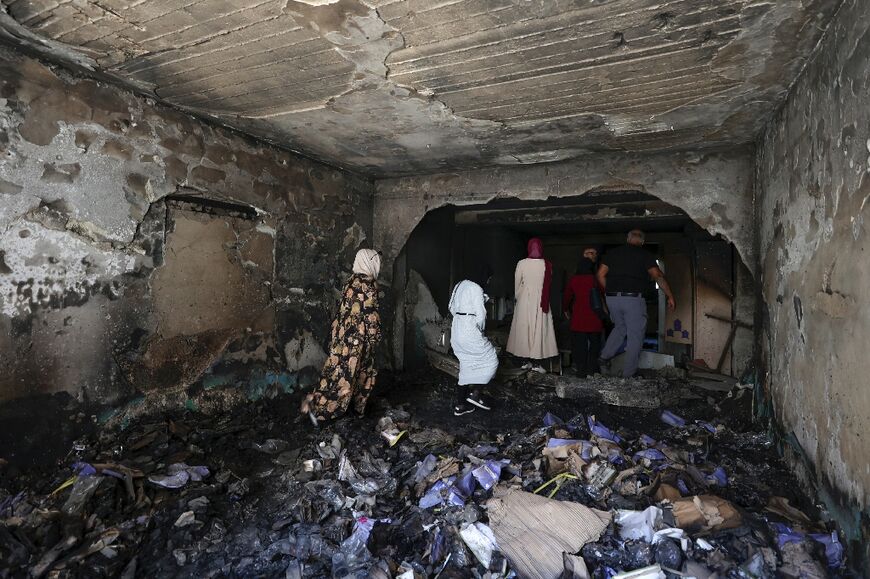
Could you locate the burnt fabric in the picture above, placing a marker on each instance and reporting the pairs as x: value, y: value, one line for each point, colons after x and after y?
x: 349, y: 372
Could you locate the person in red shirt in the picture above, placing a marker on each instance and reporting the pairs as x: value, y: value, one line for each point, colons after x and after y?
x: 586, y: 325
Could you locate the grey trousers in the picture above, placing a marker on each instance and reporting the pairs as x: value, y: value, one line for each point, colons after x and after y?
x: 629, y: 319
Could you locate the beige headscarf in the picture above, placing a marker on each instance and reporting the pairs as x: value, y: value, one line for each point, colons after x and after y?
x: 367, y: 262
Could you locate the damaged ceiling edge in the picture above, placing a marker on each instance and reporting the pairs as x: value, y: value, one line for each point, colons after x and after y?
x: 76, y: 61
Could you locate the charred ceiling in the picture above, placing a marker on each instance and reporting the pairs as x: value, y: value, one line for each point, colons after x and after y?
x: 390, y: 87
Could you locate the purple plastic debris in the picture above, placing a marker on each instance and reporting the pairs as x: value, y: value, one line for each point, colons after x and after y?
x: 438, y: 543
x: 718, y: 477
x: 709, y: 427
x: 7, y: 505
x: 834, y: 550
x: 179, y: 474
x: 650, y: 454
x: 454, y: 498
x: 83, y: 469
x: 433, y: 495
x: 488, y: 473
x: 681, y: 486
x: 669, y: 417
x: 484, y: 449
x: 113, y: 473
x: 554, y: 442
x: 465, y: 484
x: 551, y: 419
x: 427, y: 465
x: 786, y: 535
x: 602, y: 431
x: 647, y: 441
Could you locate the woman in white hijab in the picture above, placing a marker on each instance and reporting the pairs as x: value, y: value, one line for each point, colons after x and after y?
x: 478, y: 360
x: 349, y: 372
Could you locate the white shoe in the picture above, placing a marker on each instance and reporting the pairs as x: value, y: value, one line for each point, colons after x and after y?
x: 526, y: 366
x: 539, y: 370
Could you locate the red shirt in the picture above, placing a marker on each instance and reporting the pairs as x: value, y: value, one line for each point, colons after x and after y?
x: 583, y: 319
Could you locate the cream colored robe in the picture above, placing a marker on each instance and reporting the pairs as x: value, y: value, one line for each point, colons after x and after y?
x: 532, y: 334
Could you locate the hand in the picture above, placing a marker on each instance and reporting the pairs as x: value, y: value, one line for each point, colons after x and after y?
x: 672, y: 305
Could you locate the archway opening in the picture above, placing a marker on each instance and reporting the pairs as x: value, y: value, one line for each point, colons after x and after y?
x: 711, y: 326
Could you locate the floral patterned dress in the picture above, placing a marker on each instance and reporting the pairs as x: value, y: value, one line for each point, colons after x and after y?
x: 349, y: 371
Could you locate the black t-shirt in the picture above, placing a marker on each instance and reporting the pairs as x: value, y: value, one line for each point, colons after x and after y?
x: 628, y: 269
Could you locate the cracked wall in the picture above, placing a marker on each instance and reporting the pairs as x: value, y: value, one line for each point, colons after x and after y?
x: 814, y: 186
x: 714, y: 189
x: 134, y: 237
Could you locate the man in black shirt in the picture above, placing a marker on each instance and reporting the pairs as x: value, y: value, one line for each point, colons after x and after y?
x: 625, y: 274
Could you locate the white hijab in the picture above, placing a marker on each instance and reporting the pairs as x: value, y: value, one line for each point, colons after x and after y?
x: 367, y: 262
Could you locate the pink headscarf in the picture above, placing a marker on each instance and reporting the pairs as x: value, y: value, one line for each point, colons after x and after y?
x: 536, y: 251
x: 536, y: 248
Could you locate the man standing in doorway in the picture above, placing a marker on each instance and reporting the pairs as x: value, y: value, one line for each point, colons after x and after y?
x: 624, y: 274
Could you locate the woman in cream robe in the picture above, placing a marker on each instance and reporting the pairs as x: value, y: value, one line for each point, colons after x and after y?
x: 532, y: 335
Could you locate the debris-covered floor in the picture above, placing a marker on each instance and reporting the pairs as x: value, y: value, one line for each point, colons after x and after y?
x: 413, y: 491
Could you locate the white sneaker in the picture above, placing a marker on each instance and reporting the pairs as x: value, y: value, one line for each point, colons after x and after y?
x: 526, y: 366
x: 539, y: 370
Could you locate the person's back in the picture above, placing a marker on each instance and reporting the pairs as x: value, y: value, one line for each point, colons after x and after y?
x: 628, y: 269
x: 577, y: 301
x: 625, y: 274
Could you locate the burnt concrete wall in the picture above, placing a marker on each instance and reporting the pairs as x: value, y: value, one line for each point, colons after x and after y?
x: 110, y: 285
x: 715, y: 189
x: 814, y: 188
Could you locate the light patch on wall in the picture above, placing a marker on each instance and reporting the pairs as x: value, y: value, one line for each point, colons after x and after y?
x: 49, y: 268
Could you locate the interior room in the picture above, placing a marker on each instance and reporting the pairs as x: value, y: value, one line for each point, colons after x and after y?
x: 259, y: 302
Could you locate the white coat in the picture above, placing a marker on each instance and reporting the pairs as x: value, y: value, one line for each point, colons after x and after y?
x: 478, y: 360
x: 532, y: 334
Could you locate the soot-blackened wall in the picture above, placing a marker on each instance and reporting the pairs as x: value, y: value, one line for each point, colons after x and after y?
x: 115, y: 278
x: 814, y: 187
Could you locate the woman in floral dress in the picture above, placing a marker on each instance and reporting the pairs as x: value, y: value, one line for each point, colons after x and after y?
x: 349, y: 372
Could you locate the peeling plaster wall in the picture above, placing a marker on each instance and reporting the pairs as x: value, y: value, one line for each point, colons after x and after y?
x: 814, y: 189
x: 91, y: 298
x: 715, y: 189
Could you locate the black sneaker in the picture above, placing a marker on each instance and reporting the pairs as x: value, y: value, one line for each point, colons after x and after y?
x: 480, y: 401
x: 462, y: 408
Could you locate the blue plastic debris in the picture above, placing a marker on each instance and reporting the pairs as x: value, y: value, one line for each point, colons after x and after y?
x: 718, y: 477
x: 433, y: 495
x: 488, y: 473
x: 602, y: 431
x: 681, y: 486
x: 834, y: 550
x: 650, y: 454
x: 465, y: 484
x: 707, y: 426
x: 83, y: 469
x: 647, y: 441
x: 427, y: 465
x: 672, y: 419
x: 551, y: 419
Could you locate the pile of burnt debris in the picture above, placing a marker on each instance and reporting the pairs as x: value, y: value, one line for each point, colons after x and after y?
x: 539, y: 487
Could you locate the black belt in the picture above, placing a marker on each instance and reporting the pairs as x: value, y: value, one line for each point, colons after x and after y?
x: 623, y: 294
x: 462, y: 314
